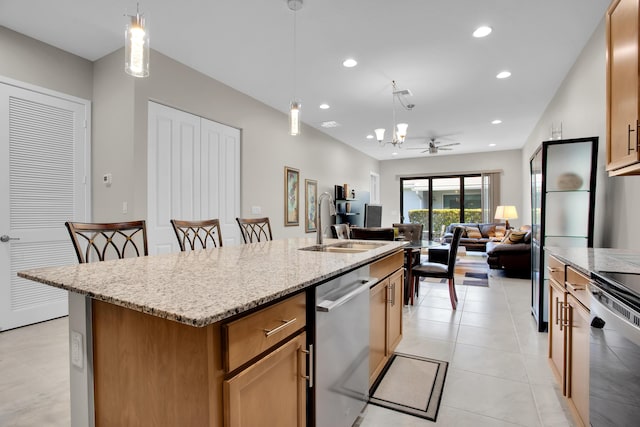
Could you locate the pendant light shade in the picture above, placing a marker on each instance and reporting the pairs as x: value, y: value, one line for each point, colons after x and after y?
x: 136, y: 49
x: 294, y: 118
x: 401, y: 131
x: 379, y: 134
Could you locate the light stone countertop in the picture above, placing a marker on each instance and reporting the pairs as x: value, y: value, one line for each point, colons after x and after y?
x: 598, y: 259
x: 201, y: 287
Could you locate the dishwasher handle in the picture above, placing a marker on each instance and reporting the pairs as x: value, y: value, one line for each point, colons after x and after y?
x: 363, y: 284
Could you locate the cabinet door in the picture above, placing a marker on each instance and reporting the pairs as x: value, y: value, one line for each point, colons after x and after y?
x: 578, y: 359
x: 557, y: 332
x: 394, y: 311
x: 622, y: 84
x: 377, y: 328
x: 251, y: 398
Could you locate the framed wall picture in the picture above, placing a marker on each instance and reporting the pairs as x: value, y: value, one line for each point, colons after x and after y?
x: 310, y: 202
x: 291, y: 196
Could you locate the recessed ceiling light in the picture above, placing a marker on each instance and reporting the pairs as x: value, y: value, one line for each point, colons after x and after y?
x: 330, y: 124
x: 503, y: 75
x: 394, y: 154
x: 492, y: 145
x: 496, y: 122
x: 483, y: 31
x: 369, y: 136
x: 350, y: 62
x: 324, y: 106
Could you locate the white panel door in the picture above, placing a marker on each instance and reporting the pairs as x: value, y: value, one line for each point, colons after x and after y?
x: 193, y: 174
x: 44, y: 161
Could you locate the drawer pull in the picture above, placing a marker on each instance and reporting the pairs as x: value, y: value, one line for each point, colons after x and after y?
x: 554, y: 269
x: 575, y: 287
x: 269, y: 332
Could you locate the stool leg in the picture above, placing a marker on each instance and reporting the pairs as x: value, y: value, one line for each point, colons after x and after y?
x: 452, y: 293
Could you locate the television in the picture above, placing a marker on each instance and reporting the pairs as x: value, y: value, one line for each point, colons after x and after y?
x: 372, y: 215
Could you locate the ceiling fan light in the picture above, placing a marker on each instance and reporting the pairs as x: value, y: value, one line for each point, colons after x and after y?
x: 379, y: 134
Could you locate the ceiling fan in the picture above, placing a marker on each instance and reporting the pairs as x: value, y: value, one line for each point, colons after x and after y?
x: 435, y: 145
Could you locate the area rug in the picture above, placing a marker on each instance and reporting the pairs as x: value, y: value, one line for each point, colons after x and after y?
x: 412, y: 385
x: 475, y: 279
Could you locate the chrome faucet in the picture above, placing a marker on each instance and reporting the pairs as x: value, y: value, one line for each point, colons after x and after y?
x: 332, y: 211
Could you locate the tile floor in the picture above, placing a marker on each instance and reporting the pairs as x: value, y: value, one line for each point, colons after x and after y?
x: 498, y: 373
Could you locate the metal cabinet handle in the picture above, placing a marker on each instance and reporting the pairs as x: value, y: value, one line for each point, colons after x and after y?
x: 363, y: 285
x: 560, y: 311
x: 575, y: 286
x: 309, y: 377
x: 4, y: 238
x: 567, y: 315
x: 637, y: 136
x: 269, y: 332
x: 554, y: 269
x: 391, y: 294
x: 557, y: 310
x: 629, y: 130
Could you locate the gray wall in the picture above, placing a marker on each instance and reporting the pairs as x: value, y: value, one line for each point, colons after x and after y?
x: 506, y: 162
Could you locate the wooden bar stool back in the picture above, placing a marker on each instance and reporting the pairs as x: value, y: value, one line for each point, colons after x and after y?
x: 103, y: 241
x: 197, y: 234
x: 255, y: 229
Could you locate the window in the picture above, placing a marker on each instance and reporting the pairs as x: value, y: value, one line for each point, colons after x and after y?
x: 439, y: 201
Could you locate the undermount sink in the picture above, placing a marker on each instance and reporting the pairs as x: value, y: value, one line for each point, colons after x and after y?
x: 344, y: 247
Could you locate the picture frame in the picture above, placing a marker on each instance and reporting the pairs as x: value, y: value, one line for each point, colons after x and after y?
x: 291, y: 196
x: 310, y: 202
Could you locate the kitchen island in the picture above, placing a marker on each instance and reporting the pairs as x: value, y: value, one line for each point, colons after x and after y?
x: 159, y: 340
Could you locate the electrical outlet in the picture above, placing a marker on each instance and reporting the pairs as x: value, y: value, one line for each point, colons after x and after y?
x: 77, y: 358
x: 107, y: 179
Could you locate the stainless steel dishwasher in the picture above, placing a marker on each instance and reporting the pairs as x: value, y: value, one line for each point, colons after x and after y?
x: 342, y: 348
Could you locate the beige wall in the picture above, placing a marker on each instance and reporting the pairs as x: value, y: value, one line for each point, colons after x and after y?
x: 120, y: 114
x: 580, y: 104
x: 506, y: 162
x: 30, y: 61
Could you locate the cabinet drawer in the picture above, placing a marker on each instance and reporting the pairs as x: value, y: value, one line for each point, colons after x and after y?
x: 578, y: 285
x: 386, y: 266
x: 249, y: 336
x: 556, y: 270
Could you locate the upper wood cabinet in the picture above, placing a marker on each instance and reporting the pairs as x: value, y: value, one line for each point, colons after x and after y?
x: 623, y: 143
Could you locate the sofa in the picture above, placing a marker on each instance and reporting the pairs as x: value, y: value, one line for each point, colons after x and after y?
x: 475, y: 235
x: 512, y: 254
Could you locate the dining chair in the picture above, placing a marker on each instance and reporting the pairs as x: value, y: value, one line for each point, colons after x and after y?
x: 372, y: 233
x: 411, y: 232
x: 255, y: 229
x: 442, y: 271
x: 197, y: 234
x: 340, y: 231
x: 103, y: 241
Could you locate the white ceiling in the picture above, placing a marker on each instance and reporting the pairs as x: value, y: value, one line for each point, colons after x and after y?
x: 424, y: 45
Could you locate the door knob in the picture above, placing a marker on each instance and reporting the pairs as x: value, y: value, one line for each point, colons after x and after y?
x: 5, y: 238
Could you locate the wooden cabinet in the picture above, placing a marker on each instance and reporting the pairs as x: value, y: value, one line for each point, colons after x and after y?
x: 577, y: 388
x: 623, y: 144
x: 569, y: 328
x: 153, y: 371
x: 270, y: 392
x: 557, y: 332
x: 385, y: 312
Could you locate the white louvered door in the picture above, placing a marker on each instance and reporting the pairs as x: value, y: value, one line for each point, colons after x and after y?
x: 44, y: 162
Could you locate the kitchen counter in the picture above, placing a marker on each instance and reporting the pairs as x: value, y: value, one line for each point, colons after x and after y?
x: 201, y: 287
x: 598, y: 259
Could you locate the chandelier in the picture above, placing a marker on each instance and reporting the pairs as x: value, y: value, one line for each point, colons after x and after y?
x: 399, y: 130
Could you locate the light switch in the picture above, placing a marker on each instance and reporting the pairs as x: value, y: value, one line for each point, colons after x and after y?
x: 77, y: 358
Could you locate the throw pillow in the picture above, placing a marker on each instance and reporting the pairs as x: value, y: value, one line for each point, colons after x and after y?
x: 501, y: 231
x: 473, y: 233
x: 515, y: 237
x: 488, y: 230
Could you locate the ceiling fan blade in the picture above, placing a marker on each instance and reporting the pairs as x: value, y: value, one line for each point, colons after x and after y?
x: 449, y: 144
x: 449, y: 149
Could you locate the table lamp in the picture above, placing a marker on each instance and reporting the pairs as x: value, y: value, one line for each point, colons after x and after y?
x: 506, y: 213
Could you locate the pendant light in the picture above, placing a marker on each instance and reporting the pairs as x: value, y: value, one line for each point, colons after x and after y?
x: 136, y: 44
x: 295, y: 106
x: 400, y: 129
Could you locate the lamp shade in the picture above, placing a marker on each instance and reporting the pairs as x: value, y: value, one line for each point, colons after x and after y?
x: 379, y: 134
x: 506, y: 212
